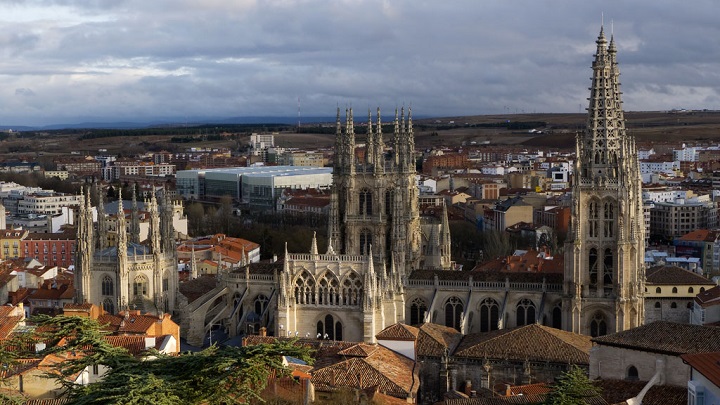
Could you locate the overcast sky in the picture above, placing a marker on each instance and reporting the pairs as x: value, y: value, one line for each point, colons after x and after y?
x: 70, y: 60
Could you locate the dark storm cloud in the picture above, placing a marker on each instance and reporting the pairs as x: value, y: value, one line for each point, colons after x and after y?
x: 137, y: 58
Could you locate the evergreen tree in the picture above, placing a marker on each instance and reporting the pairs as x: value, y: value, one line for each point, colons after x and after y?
x: 572, y: 388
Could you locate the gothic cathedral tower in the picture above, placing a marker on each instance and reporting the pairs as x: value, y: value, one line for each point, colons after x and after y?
x: 604, y: 253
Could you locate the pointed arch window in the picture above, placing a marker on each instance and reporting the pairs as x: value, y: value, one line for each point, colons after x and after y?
x: 261, y: 302
x: 365, y: 241
x: 352, y: 290
x: 632, y: 374
x: 389, y: 203
x: 557, y: 316
x: 489, y: 315
x: 329, y: 329
x: 109, y: 305
x: 107, y: 286
x: 418, y: 308
x: 140, y: 285
x: 594, y: 219
x: 453, y: 312
x: 328, y: 290
x: 366, y: 207
x: 304, y: 289
x: 609, y: 219
x: 593, y: 267
x: 525, y: 312
x: 598, y: 325
x: 608, y: 271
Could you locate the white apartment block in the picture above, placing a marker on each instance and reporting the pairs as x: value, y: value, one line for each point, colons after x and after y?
x: 146, y: 169
x: 46, y: 204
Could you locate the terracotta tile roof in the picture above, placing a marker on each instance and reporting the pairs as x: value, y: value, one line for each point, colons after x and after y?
x: 20, y: 366
x: 708, y: 298
x: 135, y: 345
x: 434, y: 340
x: 529, y: 389
x: 82, y: 307
x: 707, y: 364
x: 8, y: 324
x: 704, y: 235
x: 358, y: 350
x: 532, y: 342
x: 392, y: 373
x: 666, y: 338
x: 398, y: 331
x: 673, y: 275
x: 618, y: 391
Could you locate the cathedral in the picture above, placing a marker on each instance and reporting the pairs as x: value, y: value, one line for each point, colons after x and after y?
x: 386, y: 263
x: 113, y: 269
x: 605, y: 251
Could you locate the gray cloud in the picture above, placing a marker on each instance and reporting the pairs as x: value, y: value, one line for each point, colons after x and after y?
x: 137, y: 59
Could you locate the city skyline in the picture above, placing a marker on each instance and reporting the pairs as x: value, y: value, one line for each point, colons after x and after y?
x: 73, y: 61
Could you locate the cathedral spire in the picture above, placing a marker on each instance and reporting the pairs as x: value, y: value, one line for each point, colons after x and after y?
x: 313, y: 245
x: 134, y: 218
x: 379, y: 145
x: 339, y: 144
x: 121, y: 227
x: 396, y: 139
x: 102, y: 240
x: 370, y: 142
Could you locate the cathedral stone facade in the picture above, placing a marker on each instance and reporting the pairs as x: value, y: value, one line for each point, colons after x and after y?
x: 375, y: 239
x: 385, y: 263
x: 604, y: 253
x: 126, y: 274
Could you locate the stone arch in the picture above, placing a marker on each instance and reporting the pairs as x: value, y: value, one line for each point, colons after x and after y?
x: 658, y: 290
x: 632, y: 374
x: 304, y: 288
x: 351, y: 289
x: 674, y: 290
x: 328, y: 289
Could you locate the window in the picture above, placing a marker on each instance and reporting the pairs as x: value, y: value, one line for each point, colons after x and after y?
x: 598, y: 326
x: 418, y: 308
x: 673, y: 305
x: 328, y: 290
x: 453, y: 312
x: 594, y: 216
x: 304, y: 289
x: 632, y: 374
x: 657, y: 304
x: 593, y: 262
x: 109, y: 305
x: 365, y: 202
x: 525, y: 312
x: 365, y: 241
x: 352, y: 290
x: 261, y: 302
x: 140, y: 285
x: 674, y: 290
x: 329, y: 329
x: 658, y: 290
x: 489, y: 315
x: 557, y: 316
x: 691, y: 290
x: 609, y: 223
x: 107, y: 285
